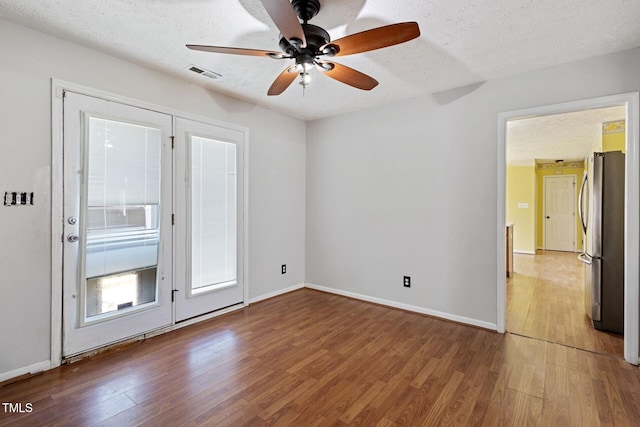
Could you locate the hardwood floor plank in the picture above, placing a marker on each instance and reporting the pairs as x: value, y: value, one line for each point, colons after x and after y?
x: 602, y: 402
x: 525, y: 410
x: 359, y: 405
x: 618, y: 410
x: 437, y: 410
x: 388, y: 397
x: 224, y: 417
x: 527, y: 379
x: 310, y: 358
x: 556, y: 412
x: 461, y: 408
x: 425, y: 373
x: 386, y: 423
x: 410, y: 405
x: 583, y: 410
x: 481, y: 405
x: 496, y: 410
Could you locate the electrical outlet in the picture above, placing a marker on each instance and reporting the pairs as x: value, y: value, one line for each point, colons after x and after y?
x: 284, y: 268
x: 407, y: 281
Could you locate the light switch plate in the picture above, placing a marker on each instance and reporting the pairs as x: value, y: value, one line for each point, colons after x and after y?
x: 18, y: 198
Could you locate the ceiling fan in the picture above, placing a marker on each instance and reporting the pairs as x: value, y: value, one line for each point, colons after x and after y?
x: 307, y: 44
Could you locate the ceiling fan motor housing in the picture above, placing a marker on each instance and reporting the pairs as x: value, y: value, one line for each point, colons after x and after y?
x: 306, y: 9
x: 316, y: 38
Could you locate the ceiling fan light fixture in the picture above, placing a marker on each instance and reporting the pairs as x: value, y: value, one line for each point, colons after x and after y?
x: 304, y: 63
x: 304, y: 67
x: 305, y: 79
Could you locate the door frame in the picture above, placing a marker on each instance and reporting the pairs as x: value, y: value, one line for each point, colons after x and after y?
x: 58, y: 87
x: 544, y: 207
x: 632, y: 207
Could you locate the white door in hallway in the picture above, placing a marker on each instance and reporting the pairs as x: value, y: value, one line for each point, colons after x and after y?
x: 559, y: 216
x: 117, y: 266
x: 209, y: 218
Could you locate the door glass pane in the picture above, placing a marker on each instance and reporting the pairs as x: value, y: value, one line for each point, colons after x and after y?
x: 213, y: 214
x: 122, y: 216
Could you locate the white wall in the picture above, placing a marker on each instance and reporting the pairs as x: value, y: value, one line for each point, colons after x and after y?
x: 411, y: 188
x: 28, y: 61
x: 405, y: 189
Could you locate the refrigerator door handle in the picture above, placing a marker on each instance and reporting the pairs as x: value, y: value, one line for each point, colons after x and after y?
x: 585, y: 258
x: 583, y: 188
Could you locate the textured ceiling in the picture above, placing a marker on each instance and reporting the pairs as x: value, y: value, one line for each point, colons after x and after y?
x: 568, y: 136
x: 462, y: 41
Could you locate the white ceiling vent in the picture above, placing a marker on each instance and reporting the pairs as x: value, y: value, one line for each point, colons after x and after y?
x: 203, y: 72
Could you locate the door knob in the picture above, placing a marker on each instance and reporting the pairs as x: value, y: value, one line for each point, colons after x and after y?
x: 72, y: 238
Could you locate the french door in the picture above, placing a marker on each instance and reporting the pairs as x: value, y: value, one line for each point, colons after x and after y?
x: 117, y: 260
x: 153, y: 228
x: 209, y: 218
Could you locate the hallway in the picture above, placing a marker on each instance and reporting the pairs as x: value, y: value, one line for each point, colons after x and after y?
x: 545, y: 300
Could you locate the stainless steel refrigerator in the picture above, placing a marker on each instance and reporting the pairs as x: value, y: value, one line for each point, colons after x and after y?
x: 601, y: 207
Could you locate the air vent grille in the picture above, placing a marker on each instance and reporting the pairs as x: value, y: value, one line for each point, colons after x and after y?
x: 203, y: 72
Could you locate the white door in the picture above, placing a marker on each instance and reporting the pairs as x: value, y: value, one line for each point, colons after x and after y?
x: 560, y: 212
x: 209, y: 218
x: 117, y: 222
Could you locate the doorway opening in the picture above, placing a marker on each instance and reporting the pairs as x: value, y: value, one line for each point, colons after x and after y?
x: 533, y: 301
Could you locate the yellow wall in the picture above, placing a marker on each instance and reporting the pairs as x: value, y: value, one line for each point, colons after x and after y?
x: 578, y: 172
x: 613, y: 136
x: 521, y: 190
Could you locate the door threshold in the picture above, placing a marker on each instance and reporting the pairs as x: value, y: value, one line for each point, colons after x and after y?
x: 118, y: 345
x: 209, y: 315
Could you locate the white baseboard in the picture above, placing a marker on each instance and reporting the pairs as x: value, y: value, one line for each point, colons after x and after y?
x: 515, y: 251
x: 407, y: 307
x: 31, y: 369
x: 276, y: 293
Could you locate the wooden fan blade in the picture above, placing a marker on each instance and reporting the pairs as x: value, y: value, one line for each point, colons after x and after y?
x: 283, y: 81
x: 235, y: 50
x: 285, y: 18
x: 349, y: 76
x: 377, y: 38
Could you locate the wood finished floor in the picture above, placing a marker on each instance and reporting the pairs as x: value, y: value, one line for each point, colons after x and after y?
x: 313, y: 359
x: 545, y: 300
